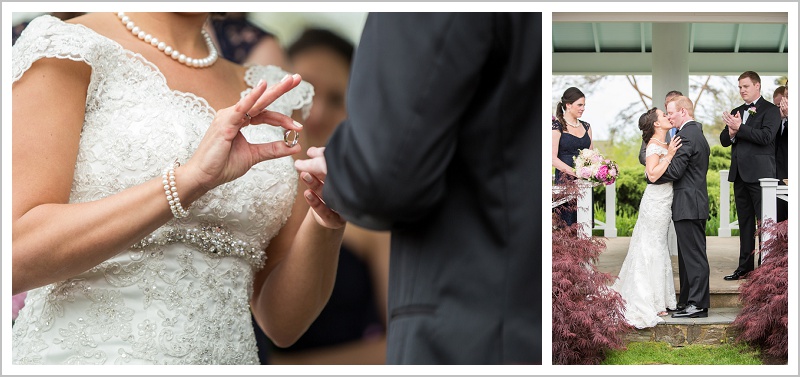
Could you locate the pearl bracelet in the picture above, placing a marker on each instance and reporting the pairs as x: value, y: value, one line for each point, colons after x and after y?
x: 172, y: 192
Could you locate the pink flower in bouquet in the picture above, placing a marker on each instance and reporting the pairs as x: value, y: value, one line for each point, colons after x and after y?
x: 17, y: 302
x: 586, y: 173
x: 602, y: 173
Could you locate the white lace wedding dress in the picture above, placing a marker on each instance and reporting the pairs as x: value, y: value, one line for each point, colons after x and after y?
x: 645, y: 279
x: 181, y: 295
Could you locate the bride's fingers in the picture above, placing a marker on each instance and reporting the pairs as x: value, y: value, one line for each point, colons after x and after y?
x: 246, y: 103
x: 276, y: 119
x: 275, y: 149
x: 272, y: 93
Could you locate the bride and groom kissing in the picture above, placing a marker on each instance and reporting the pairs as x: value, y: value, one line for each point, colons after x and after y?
x: 677, y: 192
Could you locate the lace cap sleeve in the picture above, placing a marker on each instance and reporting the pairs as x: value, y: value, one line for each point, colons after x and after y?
x: 557, y: 125
x: 654, y: 149
x: 299, y: 98
x: 49, y: 37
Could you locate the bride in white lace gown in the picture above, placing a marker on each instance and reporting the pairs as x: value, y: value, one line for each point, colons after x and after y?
x: 645, y: 279
x: 115, y: 272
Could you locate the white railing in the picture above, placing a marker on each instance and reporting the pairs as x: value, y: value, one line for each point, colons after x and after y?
x: 770, y: 193
x: 587, y: 224
x: 725, y: 206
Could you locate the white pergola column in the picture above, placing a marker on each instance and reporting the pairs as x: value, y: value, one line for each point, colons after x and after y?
x: 670, y: 60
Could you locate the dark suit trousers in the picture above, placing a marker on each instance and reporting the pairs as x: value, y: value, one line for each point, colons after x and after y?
x: 692, y: 256
x: 748, y: 209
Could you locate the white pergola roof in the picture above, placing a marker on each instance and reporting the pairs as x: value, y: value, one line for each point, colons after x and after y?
x: 622, y: 43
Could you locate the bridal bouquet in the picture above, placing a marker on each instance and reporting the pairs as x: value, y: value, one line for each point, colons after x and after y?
x: 591, y: 165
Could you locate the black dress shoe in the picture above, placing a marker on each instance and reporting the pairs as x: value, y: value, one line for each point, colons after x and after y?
x: 691, y: 311
x: 677, y: 309
x: 736, y: 275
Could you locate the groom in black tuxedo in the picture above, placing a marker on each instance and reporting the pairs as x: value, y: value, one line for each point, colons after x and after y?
x: 751, y: 130
x: 442, y: 148
x: 687, y: 172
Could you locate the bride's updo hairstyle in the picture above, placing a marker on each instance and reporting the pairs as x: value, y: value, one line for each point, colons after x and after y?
x: 647, y: 124
x: 570, y: 95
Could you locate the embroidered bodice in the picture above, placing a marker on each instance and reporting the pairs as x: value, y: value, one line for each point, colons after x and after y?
x: 181, y: 295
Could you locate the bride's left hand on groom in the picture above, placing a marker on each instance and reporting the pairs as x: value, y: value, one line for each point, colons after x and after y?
x: 313, y: 172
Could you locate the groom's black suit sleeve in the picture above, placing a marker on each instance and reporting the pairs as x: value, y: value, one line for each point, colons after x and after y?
x: 414, y: 76
x: 442, y: 146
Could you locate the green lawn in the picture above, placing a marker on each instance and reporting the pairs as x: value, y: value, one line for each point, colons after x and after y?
x: 650, y: 353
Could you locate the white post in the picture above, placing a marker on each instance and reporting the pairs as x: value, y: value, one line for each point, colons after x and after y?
x: 769, y: 193
x: 724, y: 205
x: 585, y: 209
x: 611, y: 211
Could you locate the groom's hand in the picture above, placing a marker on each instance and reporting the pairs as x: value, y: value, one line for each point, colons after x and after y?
x: 315, y: 165
x: 313, y: 172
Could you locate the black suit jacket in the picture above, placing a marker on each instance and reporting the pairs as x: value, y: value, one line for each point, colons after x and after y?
x: 782, y: 152
x: 753, y: 147
x: 687, y: 172
x: 442, y: 147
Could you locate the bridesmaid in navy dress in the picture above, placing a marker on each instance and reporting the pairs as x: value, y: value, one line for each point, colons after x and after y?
x: 570, y: 135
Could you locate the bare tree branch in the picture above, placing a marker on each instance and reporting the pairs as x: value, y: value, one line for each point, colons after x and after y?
x: 635, y: 85
x: 702, y: 88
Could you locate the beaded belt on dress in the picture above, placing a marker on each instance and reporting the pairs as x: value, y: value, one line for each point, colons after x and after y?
x: 210, y: 239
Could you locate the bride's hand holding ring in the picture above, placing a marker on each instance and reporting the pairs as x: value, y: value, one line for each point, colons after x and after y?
x: 224, y: 154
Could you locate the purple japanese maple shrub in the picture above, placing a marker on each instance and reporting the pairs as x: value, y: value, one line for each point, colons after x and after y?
x: 588, y: 319
x: 764, y: 319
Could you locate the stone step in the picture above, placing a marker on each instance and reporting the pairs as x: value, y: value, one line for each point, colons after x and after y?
x: 678, y: 332
x: 725, y: 300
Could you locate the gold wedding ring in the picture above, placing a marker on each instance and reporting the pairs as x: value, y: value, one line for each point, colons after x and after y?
x: 291, y: 137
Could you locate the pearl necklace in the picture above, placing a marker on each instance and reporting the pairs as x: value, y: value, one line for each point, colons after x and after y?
x: 658, y: 141
x: 169, y: 50
x: 570, y: 124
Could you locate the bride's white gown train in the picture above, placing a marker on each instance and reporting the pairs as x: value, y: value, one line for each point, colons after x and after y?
x: 645, y: 279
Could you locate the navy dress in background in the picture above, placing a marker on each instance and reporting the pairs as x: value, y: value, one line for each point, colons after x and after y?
x: 568, y: 148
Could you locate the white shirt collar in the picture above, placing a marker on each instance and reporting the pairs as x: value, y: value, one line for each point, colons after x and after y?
x: 684, y: 123
x: 754, y: 102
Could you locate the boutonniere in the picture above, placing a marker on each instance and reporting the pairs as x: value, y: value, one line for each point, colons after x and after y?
x: 752, y: 110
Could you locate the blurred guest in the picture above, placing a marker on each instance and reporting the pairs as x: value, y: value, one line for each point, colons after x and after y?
x: 243, y: 42
x: 351, y: 327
